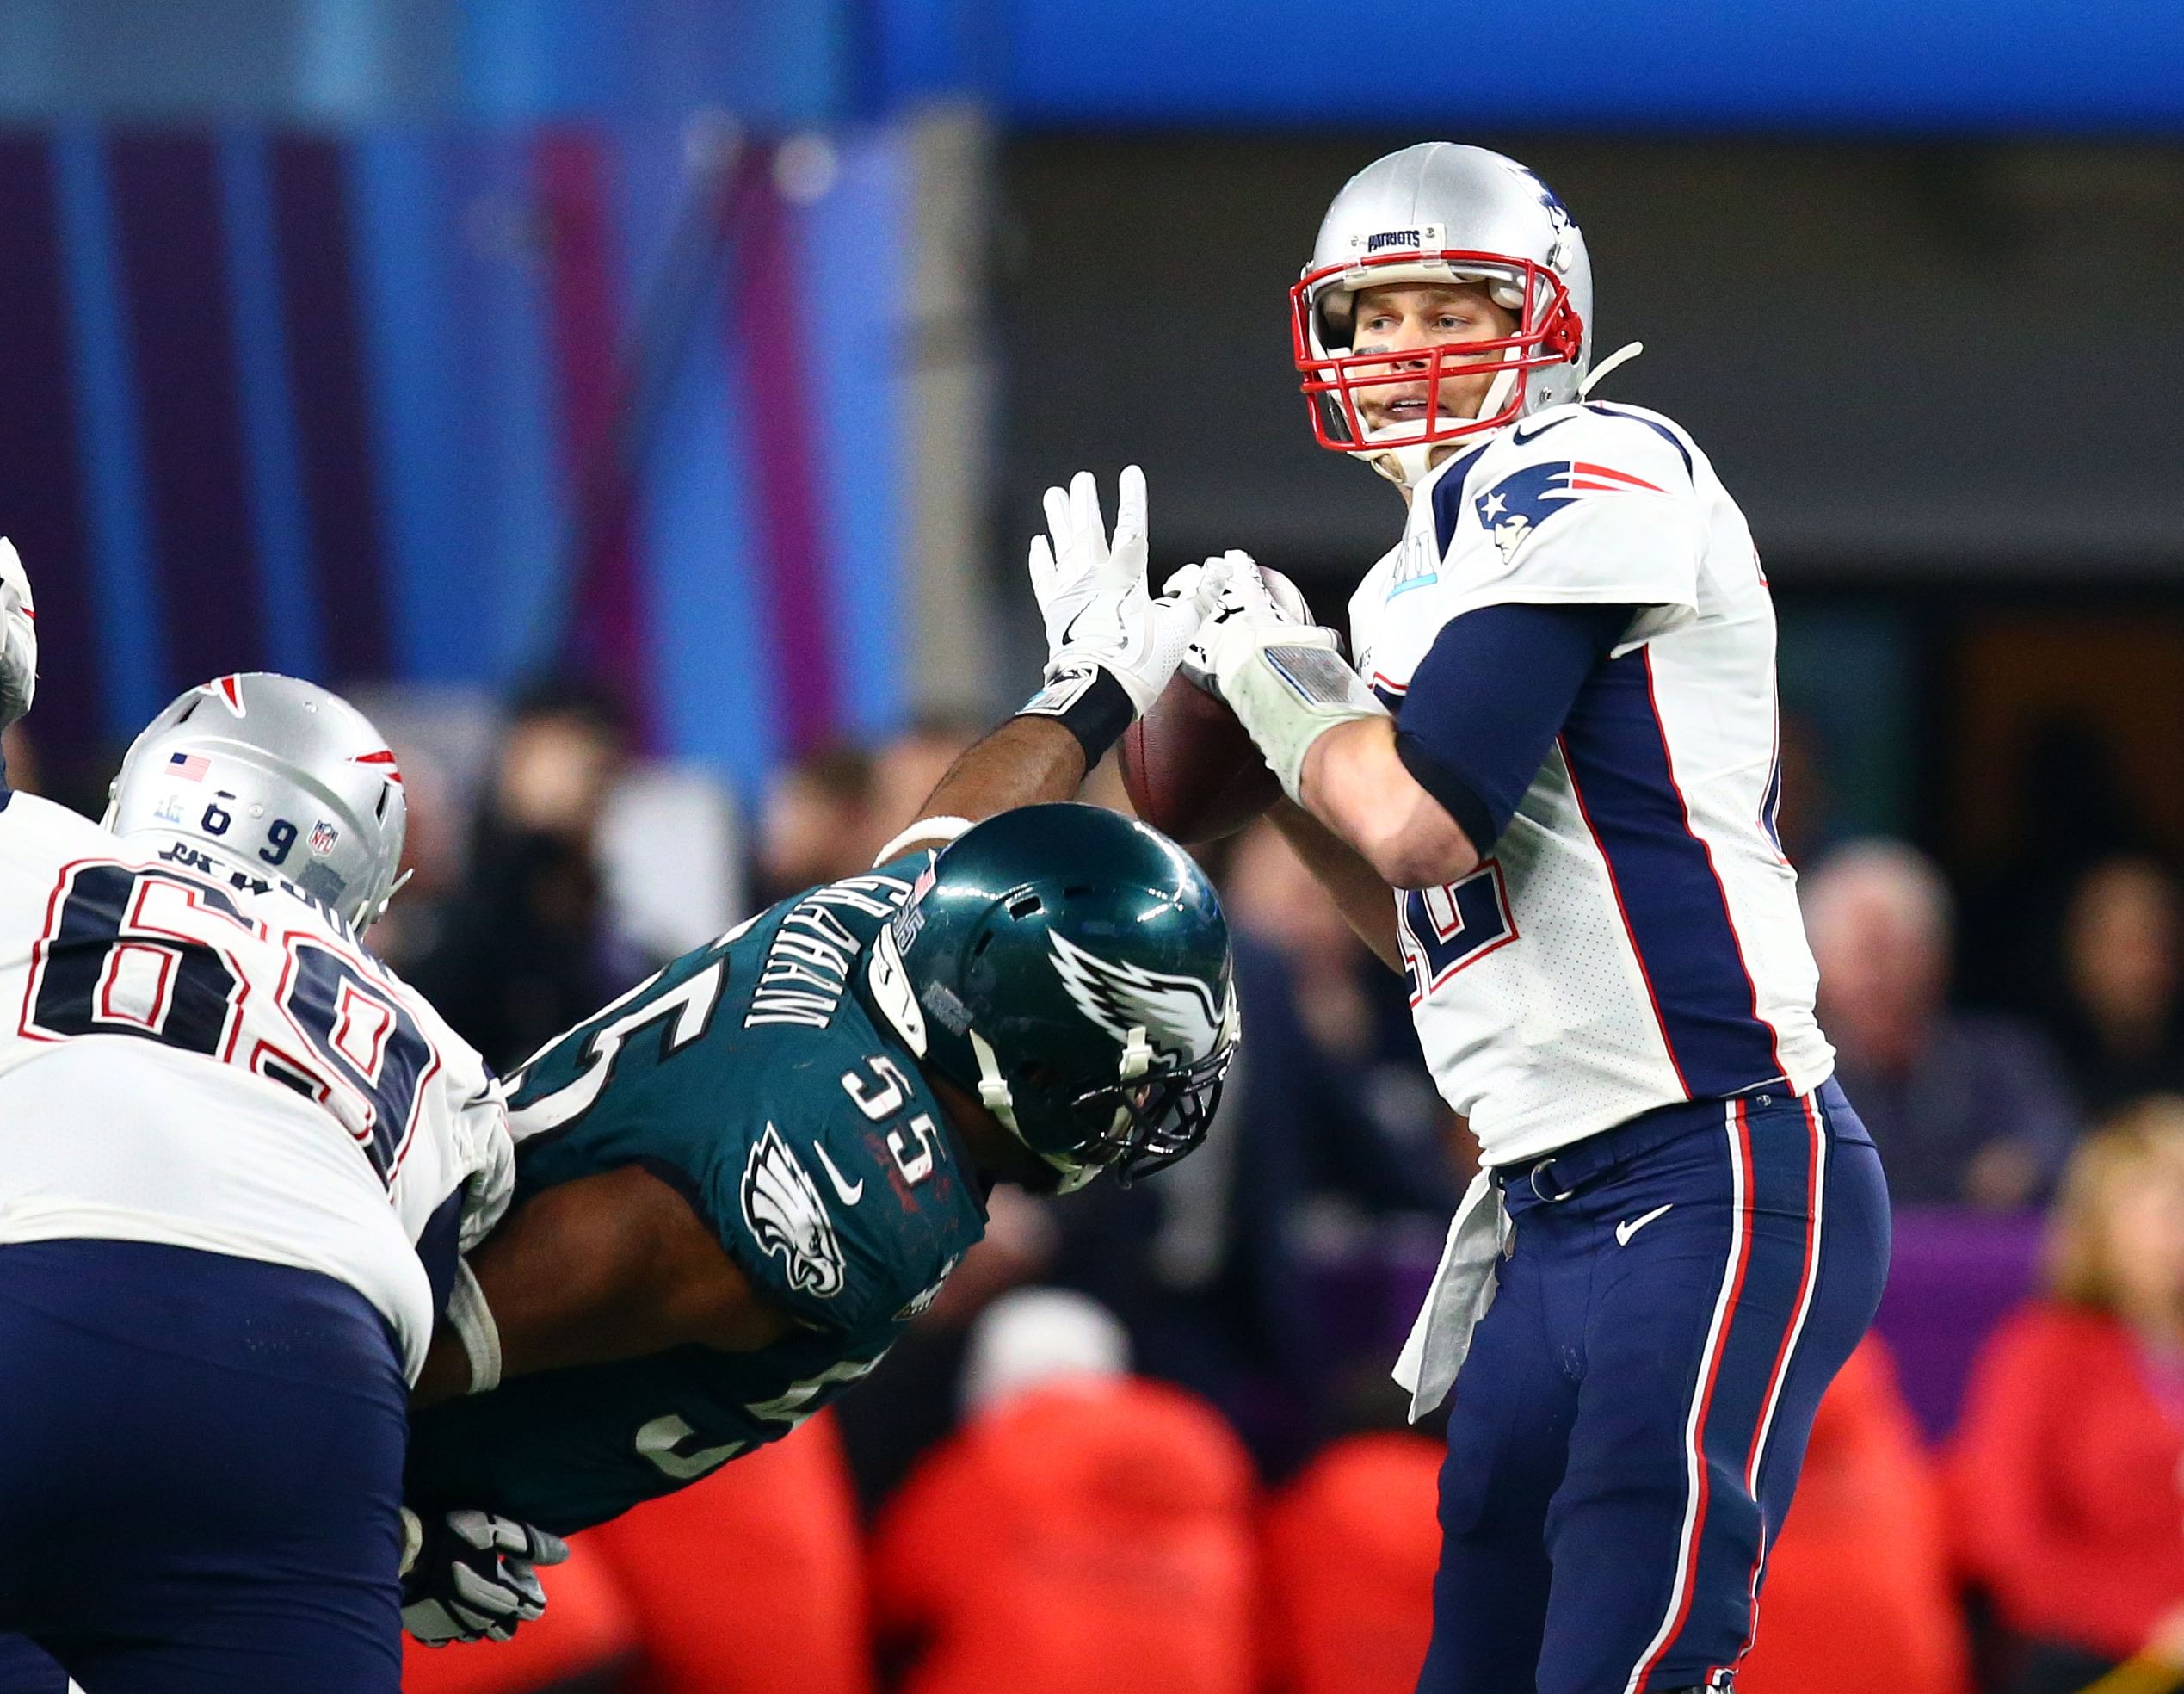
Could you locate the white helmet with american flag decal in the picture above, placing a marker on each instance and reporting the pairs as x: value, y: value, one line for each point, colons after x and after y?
x: 275, y: 777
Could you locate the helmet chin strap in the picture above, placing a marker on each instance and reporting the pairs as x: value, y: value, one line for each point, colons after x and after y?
x: 1621, y: 355
x: 365, y: 919
x: 993, y: 1087
x: 1407, y: 466
x: 993, y: 1095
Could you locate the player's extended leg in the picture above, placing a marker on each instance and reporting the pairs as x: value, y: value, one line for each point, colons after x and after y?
x: 1508, y: 1432
x: 1714, y: 1327
x: 200, y: 1463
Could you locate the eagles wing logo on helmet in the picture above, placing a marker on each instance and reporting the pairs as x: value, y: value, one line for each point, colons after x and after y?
x: 1177, y: 1013
x: 786, y: 1215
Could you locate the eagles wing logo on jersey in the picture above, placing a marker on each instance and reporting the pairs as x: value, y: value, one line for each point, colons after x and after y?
x: 1177, y: 1013
x: 786, y: 1215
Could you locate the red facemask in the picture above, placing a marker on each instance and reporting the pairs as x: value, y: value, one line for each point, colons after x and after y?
x: 1549, y: 334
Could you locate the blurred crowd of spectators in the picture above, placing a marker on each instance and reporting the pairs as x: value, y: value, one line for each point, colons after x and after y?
x: 1156, y: 1421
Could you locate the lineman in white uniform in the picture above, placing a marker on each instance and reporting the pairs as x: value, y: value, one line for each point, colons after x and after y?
x: 236, y: 1156
x: 1558, y: 748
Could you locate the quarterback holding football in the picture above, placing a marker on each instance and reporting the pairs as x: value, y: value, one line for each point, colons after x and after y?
x: 1556, y: 742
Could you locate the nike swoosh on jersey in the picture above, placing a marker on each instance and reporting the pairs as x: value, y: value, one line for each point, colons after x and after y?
x: 1523, y: 440
x: 1624, y: 1230
x: 850, y: 1192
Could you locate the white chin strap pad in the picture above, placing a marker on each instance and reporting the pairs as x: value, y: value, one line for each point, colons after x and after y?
x: 1407, y: 466
x: 993, y: 1087
x: 993, y: 1095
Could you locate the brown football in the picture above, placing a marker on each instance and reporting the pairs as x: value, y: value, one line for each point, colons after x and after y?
x: 1191, y: 771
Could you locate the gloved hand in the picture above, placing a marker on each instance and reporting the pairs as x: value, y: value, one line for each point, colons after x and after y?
x: 470, y: 1576
x: 18, y: 637
x: 1092, y: 594
x: 1240, y: 587
x: 1287, y: 681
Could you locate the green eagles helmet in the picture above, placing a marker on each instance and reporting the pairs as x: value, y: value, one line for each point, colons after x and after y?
x: 1071, y: 967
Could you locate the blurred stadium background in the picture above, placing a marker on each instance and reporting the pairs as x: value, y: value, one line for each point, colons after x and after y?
x: 640, y: 406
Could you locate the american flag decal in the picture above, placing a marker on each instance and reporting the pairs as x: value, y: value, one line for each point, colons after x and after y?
x: 190, y: 767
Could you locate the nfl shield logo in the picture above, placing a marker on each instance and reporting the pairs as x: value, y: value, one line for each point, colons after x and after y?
x: 323, y: 835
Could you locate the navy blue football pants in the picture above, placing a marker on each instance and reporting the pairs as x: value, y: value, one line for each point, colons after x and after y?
x: 200, y: 1470
x: 1677, y: 1294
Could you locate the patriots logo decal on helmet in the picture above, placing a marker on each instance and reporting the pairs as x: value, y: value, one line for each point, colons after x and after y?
x: 786, y: 1215
x: 1177, y: 1013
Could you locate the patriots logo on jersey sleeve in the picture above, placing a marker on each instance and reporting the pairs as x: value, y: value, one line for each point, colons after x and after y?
x: 1526, y: 498
x: 1177, y: 1013
x: 786, y: 1215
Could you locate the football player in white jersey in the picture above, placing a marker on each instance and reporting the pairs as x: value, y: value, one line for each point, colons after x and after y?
x: 236, y: 1156
x: 1558, y: 747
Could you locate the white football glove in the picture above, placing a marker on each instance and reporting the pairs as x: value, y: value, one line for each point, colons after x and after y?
x: 1239, y: 586
x: 18, y: 637
x: 469, y: 1576
x: 1099, y: 613
x: 1287, y: 681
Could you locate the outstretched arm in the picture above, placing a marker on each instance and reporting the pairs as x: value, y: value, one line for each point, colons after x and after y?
x: 615, y: 1267
x: 1111, y: 647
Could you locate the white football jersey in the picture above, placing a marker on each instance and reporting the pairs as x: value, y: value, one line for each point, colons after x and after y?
x: 186, y: 1058
x: 1634, y: 940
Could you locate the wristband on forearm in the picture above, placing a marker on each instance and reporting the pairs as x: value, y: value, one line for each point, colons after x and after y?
x: 1287, y: 694
x: 1085, y: 699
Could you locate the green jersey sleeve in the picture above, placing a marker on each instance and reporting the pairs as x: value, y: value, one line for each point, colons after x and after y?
x: 753, y: 1077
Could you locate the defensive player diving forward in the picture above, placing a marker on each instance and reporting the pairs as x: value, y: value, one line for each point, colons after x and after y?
x: 1556, y: 744
x: 737, y: 1183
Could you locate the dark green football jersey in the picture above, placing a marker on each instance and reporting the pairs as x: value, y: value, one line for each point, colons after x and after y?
x: 751, y: 1075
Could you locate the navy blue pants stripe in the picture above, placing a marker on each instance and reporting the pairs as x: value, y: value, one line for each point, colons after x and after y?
x: 201, y: 1467
x: 1628, y: 1429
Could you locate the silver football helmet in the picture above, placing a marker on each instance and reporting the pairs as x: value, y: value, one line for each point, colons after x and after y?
x: 1442, y: 212
x: 18, y: 637
x: 277, y: 778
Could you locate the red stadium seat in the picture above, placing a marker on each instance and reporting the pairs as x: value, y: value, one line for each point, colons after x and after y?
x: 750, y: 1581
x: 1091, y: 1537
x: 1350, y: 1548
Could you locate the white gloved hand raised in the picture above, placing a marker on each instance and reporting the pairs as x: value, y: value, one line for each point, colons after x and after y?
x: 18, y: 637
x: 1240, y: 587
x: 1111, y: 646
x: 1287, y: 681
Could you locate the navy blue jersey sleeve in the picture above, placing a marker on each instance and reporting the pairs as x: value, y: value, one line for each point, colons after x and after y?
x: 1488, y: 699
